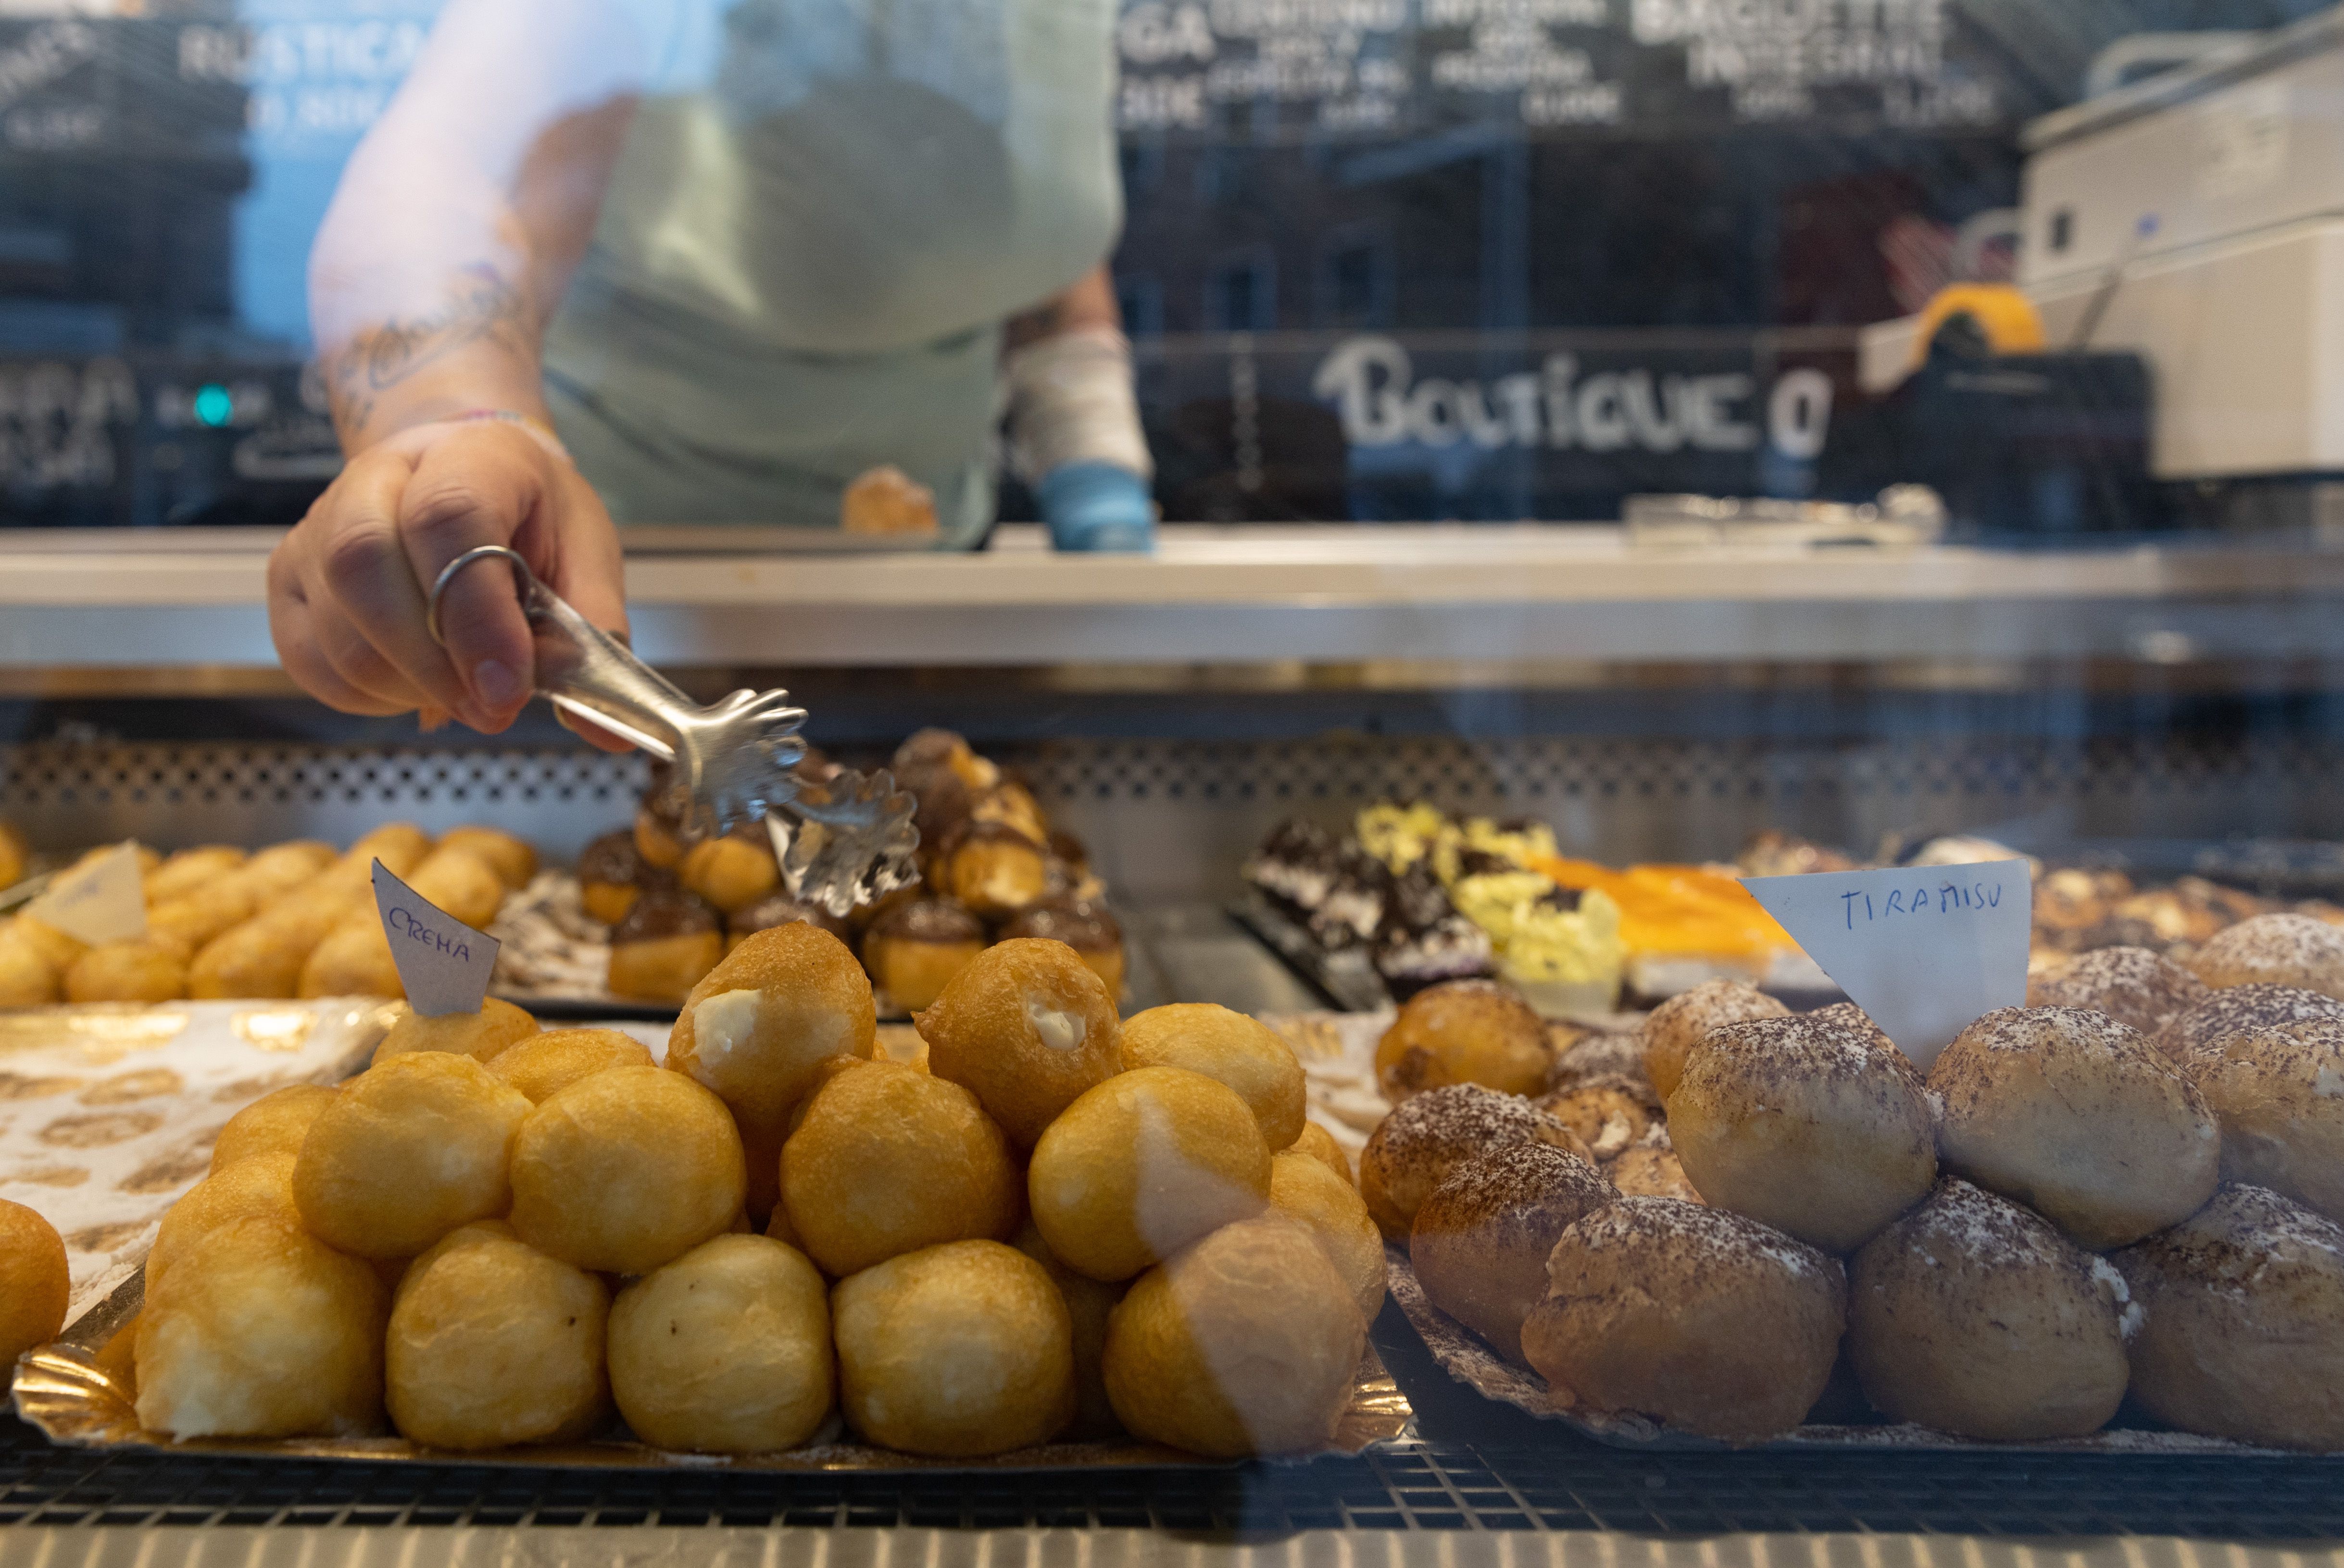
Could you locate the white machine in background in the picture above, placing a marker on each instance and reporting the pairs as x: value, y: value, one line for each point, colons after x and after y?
x: 2197, y: 219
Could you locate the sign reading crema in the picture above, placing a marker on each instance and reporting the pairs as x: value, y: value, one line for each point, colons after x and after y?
x: 1925, y: 949
x: 443, y: 962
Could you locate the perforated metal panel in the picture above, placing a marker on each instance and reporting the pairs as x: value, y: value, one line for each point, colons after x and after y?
x: 1173, y: 819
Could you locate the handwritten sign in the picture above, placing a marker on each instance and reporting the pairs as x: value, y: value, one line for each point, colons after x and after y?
x: 443, y: 962
x: 1925, y: 949
x: 102, y: 899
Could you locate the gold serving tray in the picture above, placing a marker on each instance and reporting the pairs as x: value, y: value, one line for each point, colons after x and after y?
x: 78, y: 1392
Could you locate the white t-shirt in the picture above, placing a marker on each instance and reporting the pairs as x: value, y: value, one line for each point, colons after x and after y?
x: 823, y: 211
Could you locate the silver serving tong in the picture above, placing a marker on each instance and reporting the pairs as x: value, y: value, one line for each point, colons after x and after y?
x: 841, y: 842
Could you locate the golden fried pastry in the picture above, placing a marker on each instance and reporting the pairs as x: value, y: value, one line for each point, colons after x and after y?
x: 1464, y: 1032
x: 60, y: 949
x: 492, y: 1342
x: 33, y: 1283
x: 257, y: 959
x: 185, y: 870
x: 726, y: 1350
x: 2076, y: 1116
x: 1677, y: 1024
x: 131, y: 971
x: 1088, y: 928
x: 354, y: 961
x: 887, y: 501
x: 1319, y: 1144
x: 1303, y: 1190
x: 543, y: 1064
x: 994, y: 869
x: 259, y: 1185
x: 732, y: 872
x: 280, y: 868
x: 1480, y: 1242
x: 624, y: 1171
x: 1248, y: 1342
x: 916, y: 950
x: 1026, y: 1028
x: 483, y: 1036
x: 276, y: 1123
x: 759, y: 1026
x: 2238, y: 1011
x: 2296, y: 950
x: 2242, y: 1332
x: 401, y: 846
x: 1709, y: 1322
x: 954, y: 1351
x: 14, y: 855
x: 1608, y: 1115
x: 1413, y: 1149
x: 610, y: 872
x: 407, y: 1152
x: 513, y: 861
x: 27, y: 979
x: 1241, y: 1051
x: 262, y: 1330
x: 657, y: 841
x: 1143, y: 1165
x: 1814, y: 1124
x: 888, y: 1161
x: 2279, y: 1096
x: 195, y: 920
x: 459, y: 883
x: 666, y: 946
x: 1652, y: 1170
x: 2131, y: 984
x: 1090, y: 1304
x: 1975, y: 1315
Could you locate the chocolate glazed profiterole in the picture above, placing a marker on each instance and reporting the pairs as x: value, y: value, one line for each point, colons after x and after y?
x: 1088, y: 928
x: 915, y: 949
x: 668, y: 941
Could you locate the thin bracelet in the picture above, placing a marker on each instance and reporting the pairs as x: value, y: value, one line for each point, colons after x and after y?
x: 535, y: 428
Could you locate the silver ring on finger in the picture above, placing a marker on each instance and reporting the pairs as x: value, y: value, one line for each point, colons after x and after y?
x: 523, y: 578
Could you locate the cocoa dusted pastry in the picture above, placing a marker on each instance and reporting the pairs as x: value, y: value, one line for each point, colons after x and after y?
x: 916, y: 950
x: 666, y: 944
x: 993, y: 869
x: 1088, y: 928
x: 608, y: 875
x: 780, y: 909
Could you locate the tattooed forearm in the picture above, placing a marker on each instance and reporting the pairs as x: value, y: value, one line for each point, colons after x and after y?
x: 483, y: 308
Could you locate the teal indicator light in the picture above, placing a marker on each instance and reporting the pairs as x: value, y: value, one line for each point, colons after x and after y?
x: 213, y: 405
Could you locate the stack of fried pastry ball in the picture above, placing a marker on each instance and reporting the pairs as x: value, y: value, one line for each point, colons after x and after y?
x: 1053, y: 1225
x: 2065, y: 1210
x: 992, y: 870
x: 294, y: 919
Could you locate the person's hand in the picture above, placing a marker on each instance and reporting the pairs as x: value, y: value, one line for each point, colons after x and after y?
x: 348, y: 589
x: 1096, y: 507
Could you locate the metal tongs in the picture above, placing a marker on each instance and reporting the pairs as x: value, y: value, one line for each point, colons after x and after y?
x: 841, y: 842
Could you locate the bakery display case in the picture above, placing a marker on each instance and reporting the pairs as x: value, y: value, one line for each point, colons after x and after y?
x: 1447, y: 782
